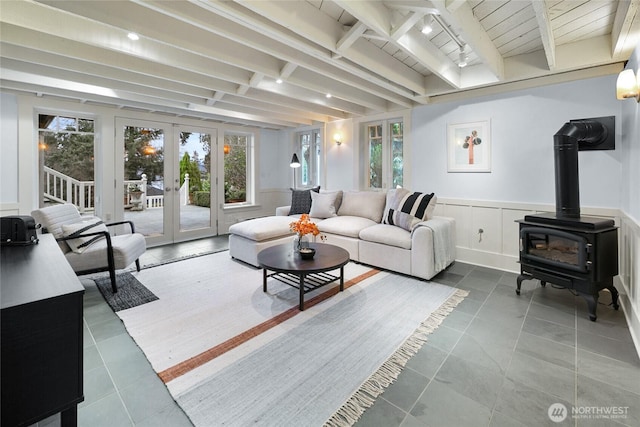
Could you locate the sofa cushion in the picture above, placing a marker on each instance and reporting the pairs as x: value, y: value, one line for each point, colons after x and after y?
x: 301, y: 200
x: 260, y: 229
x: 387, y: 235
x: 323, y: 205
x: 365, y: 204
x: 349, y: 226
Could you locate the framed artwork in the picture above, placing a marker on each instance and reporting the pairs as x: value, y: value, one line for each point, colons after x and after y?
x: 469, y: 147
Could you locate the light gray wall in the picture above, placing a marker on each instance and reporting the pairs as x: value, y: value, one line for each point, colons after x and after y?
x: 273, y: 161
x: 630, y: 149
x: 522, y: 127
x: 8, y: 148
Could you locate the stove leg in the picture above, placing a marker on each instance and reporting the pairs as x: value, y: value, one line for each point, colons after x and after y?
x: 520, y: 279
x: 592, y: 303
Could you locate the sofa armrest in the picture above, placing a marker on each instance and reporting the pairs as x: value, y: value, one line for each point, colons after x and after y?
x: 433, y: 246
x: 283, y: 210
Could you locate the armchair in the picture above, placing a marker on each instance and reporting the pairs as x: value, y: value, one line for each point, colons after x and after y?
x: 87, y: 243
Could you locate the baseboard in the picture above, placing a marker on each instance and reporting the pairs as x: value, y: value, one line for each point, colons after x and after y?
x: 488, y: 259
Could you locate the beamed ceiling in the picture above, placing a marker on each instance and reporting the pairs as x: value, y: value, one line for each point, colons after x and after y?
x: 221, y: 60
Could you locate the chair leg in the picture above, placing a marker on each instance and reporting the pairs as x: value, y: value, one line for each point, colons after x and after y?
x: 138, y: 264
x: 112, y: 275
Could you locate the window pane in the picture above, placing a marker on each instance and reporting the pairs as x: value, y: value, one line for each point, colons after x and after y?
x: 317, y: 146
x: 68, y: 163
x: 235, y: 169
x: 375, y: 156
x: 305, y: 160
x: 396, y: 153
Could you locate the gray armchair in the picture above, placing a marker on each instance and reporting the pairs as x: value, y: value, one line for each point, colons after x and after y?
x: 88, y: 244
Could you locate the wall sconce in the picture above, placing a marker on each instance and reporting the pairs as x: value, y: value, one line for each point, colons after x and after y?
x: 628, y: 85
x: 337, y: 138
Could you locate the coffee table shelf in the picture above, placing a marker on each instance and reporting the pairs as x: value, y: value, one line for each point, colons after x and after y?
x: 305, y: 275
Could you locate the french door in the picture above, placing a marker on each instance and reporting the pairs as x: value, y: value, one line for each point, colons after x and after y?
x: 166, y: 183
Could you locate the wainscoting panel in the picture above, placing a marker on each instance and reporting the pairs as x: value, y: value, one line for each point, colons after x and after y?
x: 630, y: 275
x: 486, y: 231
x: 462, y: 215
x: 511, y: 230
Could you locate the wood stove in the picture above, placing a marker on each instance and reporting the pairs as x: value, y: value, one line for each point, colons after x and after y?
x: 566, y: 249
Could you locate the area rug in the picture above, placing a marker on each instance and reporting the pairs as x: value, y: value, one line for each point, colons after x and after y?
x: 131, y: 293
x: 231, y: 354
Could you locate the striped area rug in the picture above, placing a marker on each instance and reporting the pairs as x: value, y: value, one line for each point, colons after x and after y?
x: 231, y: 354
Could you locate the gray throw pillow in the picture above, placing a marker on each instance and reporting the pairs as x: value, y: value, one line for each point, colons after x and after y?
x: 301, y: 201
x: 323, y: 205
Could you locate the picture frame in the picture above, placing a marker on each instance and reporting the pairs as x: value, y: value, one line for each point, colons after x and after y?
x: 466, y: 157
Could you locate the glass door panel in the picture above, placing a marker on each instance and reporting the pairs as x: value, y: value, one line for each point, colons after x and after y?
x: 197, y: 182
x: 146, y: 199
x: 166, y: 184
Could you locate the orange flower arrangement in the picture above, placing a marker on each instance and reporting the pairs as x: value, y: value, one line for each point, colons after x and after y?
x: 304, y: 226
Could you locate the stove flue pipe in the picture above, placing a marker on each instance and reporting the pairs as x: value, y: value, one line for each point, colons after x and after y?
x: 566, y: 144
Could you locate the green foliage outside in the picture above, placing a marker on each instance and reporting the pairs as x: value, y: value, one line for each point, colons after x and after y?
x: 191, y: 167
x: 202, y: 198
x: 70, y: 152
x: 141, y: 156
x: 235, y: 169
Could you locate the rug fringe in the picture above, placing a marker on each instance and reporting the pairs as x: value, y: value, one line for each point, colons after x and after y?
x: 388, y: 372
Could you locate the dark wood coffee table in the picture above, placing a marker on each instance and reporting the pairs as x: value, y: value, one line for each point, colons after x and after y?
x: 305, y: 275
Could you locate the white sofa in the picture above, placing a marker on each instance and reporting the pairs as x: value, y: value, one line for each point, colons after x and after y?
x: 355, y: 221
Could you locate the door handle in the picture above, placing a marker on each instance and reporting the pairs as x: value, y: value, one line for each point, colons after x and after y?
x: 177, y: 188
x: 167, y: 189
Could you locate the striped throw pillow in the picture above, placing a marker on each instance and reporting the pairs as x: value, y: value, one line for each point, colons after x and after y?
x: 80, y: 244
x: 406, y: 209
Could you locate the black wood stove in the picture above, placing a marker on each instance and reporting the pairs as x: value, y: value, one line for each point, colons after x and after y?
x: 566, y: 249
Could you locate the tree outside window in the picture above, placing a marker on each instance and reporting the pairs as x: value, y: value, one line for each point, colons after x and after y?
x: 66, y: 146
x: 309, y: 143
x: 384, y: 154
x: 235, y: 167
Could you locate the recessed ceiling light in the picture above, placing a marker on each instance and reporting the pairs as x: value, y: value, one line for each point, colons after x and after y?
x: 328, y: 95
x: 133, y: 36
x: 279, y: 81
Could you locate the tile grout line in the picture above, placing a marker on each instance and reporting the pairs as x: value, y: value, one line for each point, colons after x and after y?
x: 117, y: 390
x: 446, y: 358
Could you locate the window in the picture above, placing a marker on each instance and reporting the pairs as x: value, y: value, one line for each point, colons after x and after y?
x: 66, y: 150
x: 309, y: 143
x: 237, y: 169
x: 384, y: 154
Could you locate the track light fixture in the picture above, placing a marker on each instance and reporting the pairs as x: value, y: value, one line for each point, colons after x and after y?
x: 427, y: 24
x: 463, y: 58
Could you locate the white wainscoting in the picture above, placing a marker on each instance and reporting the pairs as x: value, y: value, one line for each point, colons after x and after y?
x: 498, y: 245
x: 267, y: 201
x: 629, y: 276
x: 9, y: 209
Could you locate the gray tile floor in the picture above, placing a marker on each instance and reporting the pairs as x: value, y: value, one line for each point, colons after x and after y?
x: 499, y: 359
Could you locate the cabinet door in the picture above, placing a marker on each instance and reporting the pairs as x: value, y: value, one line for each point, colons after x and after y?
x: 41, y: 359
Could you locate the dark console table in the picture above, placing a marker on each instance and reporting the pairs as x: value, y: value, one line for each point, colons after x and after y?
x: 41, y: 350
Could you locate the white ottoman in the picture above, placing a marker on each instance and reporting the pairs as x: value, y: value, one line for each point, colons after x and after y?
x: 247, y: 238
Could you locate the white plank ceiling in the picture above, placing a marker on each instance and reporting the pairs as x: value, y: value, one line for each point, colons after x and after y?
x: 221, y: 60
